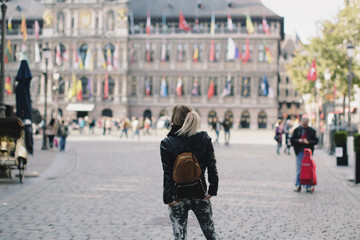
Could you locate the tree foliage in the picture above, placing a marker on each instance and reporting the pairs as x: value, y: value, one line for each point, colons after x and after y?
x: 329, y: 50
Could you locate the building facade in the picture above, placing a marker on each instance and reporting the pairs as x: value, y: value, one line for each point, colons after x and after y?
x: 127, y: 69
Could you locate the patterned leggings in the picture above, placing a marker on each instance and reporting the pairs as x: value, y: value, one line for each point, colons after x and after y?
x: 203, y: 212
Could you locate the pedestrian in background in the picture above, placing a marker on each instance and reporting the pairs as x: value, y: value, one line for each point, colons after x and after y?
x: 227, y: 125
x: 51, y: 131
x: 124, y: 126
x: 278, y: 135
x: 81, y: 124
x: 135, y: 125
x: 216, y: 125
x: 184, y: 136
x: 287, y: 128
x: 92, y: 126
x: 303, y: 137
x: 62, y: 133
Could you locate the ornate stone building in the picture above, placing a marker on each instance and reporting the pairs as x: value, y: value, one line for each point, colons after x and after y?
x: 125, y: 70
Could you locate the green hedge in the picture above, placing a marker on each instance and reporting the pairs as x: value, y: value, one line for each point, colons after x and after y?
x: 340, y: 138
x: 357, y: 143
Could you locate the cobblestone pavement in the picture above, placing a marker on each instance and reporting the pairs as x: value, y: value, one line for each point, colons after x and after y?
x: 107, y: 188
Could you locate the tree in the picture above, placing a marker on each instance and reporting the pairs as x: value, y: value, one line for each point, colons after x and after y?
x: 329, y: 50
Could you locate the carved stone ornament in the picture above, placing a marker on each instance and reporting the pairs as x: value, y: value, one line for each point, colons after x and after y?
x: 122, y: 15
x: 85, y: 18
x: 48, y: 18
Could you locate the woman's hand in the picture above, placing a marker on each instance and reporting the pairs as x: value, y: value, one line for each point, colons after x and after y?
x: 207, y: 197
x: 173, y: 203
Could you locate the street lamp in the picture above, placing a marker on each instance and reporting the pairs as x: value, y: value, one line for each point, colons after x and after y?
x: 46, y: 55
x: 2, y: 80
x: 350, y: 53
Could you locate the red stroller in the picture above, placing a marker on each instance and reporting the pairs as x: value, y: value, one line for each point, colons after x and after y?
x: 308, y: 170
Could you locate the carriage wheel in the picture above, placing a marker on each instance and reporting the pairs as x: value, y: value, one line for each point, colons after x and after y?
x: 21, y: 168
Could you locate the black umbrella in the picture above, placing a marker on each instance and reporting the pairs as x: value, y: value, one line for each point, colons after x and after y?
x: 23, y: 102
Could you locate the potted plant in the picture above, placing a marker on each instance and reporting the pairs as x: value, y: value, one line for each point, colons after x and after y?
x: 357, y: 157
x: 340, y: 139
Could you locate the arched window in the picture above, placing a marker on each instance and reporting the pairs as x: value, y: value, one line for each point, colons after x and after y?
x: 246, y: 87
x: 262, y: 120
x: 111, y: 86
x: 147, y: 114
x: 245, y: 120
x: 84, y: 83
x: 211, y: 115
x: 107, y: 112
x: 110, y: 21
x: 60, y: 22
x: 109, y: 55
x: 83, y: 51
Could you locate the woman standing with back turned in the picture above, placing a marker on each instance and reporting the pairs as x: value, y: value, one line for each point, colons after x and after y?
x: 184, y: 137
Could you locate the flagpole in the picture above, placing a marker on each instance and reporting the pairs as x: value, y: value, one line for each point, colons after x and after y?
x: 2, y: 81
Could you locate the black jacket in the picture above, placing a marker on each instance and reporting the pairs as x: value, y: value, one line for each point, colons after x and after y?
x: 310, y: 136
x: 201, y: 146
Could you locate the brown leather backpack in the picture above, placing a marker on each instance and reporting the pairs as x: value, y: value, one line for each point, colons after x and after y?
x: 187, y: 176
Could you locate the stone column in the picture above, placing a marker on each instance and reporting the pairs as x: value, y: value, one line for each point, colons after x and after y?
x: 116, y: 89
x: 76, y: 22
x: 67, y: 86
x: 98, y: 88
x: 124, y: 89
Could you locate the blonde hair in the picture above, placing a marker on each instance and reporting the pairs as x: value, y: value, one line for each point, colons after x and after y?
x: 187, y: 118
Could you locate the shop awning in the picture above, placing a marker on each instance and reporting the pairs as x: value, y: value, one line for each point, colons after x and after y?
x: 80, y: 107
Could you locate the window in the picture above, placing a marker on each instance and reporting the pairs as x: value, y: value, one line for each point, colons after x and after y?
x: 217, y: 52
x: 111, y: 86
x: 197, y: 52
x: 134, y: 53
x: 110, y: 21
x: 149, y: 52
x: 60, y: 22
x: 228, y: 86
x: 260, y: 28
x: 261, y: 53
x: 246, y: 87
x: 165, y: 56
x: 262, y: 120
x: 84, y: 83
x: 108, y: 52
x: 288, y: 105
x: 148, y: 86
x: 133, y: 87
x: 244, y: 50
x: 245, y: 120
x: 83, y: 51
x: 287, y: 80
x: 196, y: 87
x: 61, y: 58
x: 61, y: 84
x: 261, y: 88
x: 181, y: 52
x: 286, y: 93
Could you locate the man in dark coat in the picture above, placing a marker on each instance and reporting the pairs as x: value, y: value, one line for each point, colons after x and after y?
x: 302, y: 137
x: 227, y: 125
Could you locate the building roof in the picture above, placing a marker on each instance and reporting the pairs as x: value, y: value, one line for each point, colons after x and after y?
x: 190, y: 8
x: 32, y: 9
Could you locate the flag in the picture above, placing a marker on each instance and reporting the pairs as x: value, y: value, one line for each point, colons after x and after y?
x: 148, y: 55
x: 88, y: 87
x: 10, y: 24
x: 106, y: 86
x: 211, y: 89
x: 58, y: 59
x: 116, y: 59
x: 132, y: 25
x: 265, y: 26
x: 148, y: 23
x: 247, y: 52
x: 37, y: 53
x: 237, y: 53
x: 227, y: 88
x: 108, y: 59
x: 212, y: 26
x: 23, y: 28
x: 8, y: 85
x: 268, y: 54
x: 265, y: 86
x: 80, y: 61
x: 212, y: 51
x: 312, y: 72
x: 182, y: 23
x: 230, y: 25
x: 163, y: 52
x: 163, y: 90
x: 147, y: 87
x: 195, y: 91
x: 197, y: 25
x: 196, y: 54
x: 72, y: 90
x: 179, y: 87
x: 8, y: 52
x: 36, y: 29
x: 65, y: 60
x: 89, y: 65
x: 231, y: 54
x: 75, y: 59
x: 249, y: 25
x: 79, y: 93
x: 101, y: 58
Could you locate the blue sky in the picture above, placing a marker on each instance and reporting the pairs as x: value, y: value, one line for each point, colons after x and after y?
x: 301, y: 16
